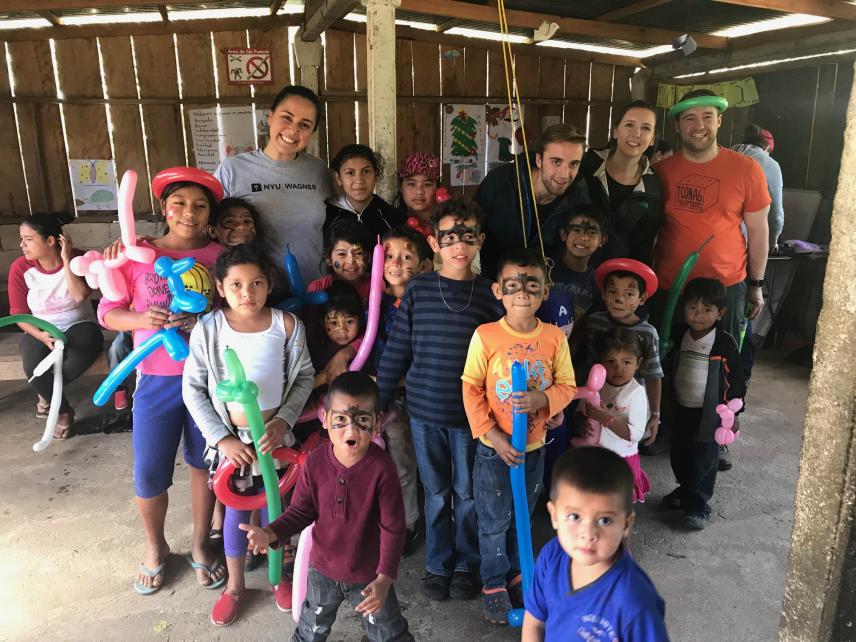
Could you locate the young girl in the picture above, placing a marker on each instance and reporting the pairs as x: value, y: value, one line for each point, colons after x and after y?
x: 271, y: 345
x: 343, y: 324
x: 418, y: 175
x: 623, y: 408
x: 41, y: 283
x: 233, y: 222
x: 187, y: 196
x: 356, y: 169
x: 347, y: 252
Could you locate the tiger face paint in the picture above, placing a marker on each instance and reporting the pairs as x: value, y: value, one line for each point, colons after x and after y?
x: 400, y: 261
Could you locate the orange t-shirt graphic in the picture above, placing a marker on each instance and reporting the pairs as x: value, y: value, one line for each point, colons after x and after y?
x: 704, y: 199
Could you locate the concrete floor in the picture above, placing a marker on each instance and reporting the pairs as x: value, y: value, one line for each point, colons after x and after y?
x: 70, y: 541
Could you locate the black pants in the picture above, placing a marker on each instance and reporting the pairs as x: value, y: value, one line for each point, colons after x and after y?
x: 694, y: 462
x: 85, y: 343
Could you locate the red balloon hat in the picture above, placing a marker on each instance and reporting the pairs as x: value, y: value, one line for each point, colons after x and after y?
x: 627, y: 265
x: 188, y: 175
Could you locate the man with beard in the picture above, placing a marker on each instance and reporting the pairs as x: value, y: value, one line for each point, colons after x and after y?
x: 550, y: 184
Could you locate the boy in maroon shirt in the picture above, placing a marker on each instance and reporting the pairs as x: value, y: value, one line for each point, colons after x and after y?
x: 350, y: 490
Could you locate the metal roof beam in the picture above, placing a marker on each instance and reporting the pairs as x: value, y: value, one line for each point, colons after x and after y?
x: 630, y: 9
x: 835, y: 9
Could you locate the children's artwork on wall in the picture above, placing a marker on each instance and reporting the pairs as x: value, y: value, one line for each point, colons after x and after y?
x: 93, y: 184
x: 219, y: 132
x: 464, y: 142
x: 504, y: 134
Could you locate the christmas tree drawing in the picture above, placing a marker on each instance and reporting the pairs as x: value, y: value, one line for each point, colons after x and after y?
x: 464, y: 132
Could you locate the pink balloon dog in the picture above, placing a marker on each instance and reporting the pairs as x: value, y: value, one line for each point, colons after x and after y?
x: 104, y: 274
x: 591, y: 393
x: 725, y: 434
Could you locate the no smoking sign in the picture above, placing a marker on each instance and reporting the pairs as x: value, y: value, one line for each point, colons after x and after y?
x: 248, y: 66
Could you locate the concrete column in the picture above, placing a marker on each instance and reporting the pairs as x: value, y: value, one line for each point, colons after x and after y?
x: 309, y: 56
x: 820, y: 572
x: 382, y: 94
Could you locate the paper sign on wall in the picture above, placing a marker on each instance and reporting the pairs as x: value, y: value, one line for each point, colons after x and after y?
x: 93, y: 184
x: 504, y: 134
x: 248, y: 66
x: 219, y: 132
x: 464, y: 142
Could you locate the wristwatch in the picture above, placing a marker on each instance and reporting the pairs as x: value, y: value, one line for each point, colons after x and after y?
x: 755, y: 283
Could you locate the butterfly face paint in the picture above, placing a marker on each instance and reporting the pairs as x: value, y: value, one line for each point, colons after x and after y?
x: 529, y: 283
x: 459, y: 233
x: 348, y: 261
x: 352, y: 416
x: 341, y: 328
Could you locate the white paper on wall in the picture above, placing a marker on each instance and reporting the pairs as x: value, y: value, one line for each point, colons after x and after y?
x: 219, y: 132
x: 504, y: 135
x: 93, y: 184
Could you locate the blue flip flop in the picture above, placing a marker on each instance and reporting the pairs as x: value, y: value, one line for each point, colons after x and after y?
x: 213, y: 568
x: 141, y: 588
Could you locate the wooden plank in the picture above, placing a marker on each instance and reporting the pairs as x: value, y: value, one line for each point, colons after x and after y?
x: 526, y: 69
x: 621, y: 86
x: 222, y: 41
x: 403, y: 68
x: 339, y: 60
x: 475, y: 63
x: 630, y: 9
x: 551, y: 85
x: 577, y: 88
x: 453, y: 72
x: 158, y: 78
x: 825, y: 136
x: 13, y: 188
x: 196, y: 67
x: 275, y: 39
x: 601, y: 90
x: 834, y: 9
x: 341, y: 125
x: 127, y: 126
x: 360, y: 49
x: 45, y: 159
x: 426, y: 69
x: 405, y: 131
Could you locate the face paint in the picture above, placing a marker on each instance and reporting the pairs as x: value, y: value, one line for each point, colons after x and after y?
x: 583, y: 230
x: 335, y: 321
x: 341, y: 256
x: 353, y: 416
x: 459, y: 233
x: 532, y: 285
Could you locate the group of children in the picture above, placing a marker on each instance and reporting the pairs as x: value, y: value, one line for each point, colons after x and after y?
x: 443, y: 402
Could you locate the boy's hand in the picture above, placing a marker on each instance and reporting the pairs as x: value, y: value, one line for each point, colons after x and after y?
x: 236, y: 451
x: 529, y: 401
x: 184, y: 321
x: 112, y: 251
x: 258, y: 538
x: 375, y: 594
x: 275, y: 429
x: 596, y: 412
x: 555, y: 421
x: 154, y: 318
x: 338, y: 363
x: 653, y: 426
x: 502, y: 445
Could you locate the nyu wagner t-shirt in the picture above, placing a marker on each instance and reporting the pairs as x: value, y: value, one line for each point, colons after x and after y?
x: 622, y: 605
x: 290, y: 197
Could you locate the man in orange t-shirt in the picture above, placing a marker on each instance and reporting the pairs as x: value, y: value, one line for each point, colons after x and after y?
x: 710, y: 190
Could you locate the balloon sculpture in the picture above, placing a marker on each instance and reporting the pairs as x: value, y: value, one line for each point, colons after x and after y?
x: 172, y: 341
x: 54, y: 359
x: 591, y: 393
x: 301, y: 297
x: 518, y: 492
x: 677, y: 285
x: 725, y: 434
x: 104, y: 274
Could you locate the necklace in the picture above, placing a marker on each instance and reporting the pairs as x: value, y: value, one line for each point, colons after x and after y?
x: 609, y: 404
x: 449, y: 307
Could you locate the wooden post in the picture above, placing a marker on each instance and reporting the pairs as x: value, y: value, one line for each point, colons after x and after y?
x: 817, y: 603
x: 380, y: 60
x: 309, y: 56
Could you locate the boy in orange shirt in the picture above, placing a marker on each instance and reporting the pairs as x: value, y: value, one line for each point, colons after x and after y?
x: 490, y: 405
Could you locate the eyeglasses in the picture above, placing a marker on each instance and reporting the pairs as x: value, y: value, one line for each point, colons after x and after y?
x: 341, y: 419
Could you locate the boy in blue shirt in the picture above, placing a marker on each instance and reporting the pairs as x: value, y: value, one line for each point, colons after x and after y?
x: 586, y: 585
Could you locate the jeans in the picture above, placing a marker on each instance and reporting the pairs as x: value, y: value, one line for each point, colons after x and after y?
x: 399, y: 442
x: 323, y: 597
x: 445, y: 457
x: 500, y: 559
x: 694, y: 462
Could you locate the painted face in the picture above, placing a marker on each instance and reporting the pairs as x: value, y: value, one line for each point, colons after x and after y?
x: 558, y: 166
x: 291, y: 126
x: 245, y: 288
x: 456, y: 235
x: 187, y: 212
x: 635, y: 133
x: 620, y: 366
x: 351, y: 422
x: 621, y: 296
x: 342, y: 328
x: 698, y: 127
x: 582, y: 236
x: 701, y: 316
x: 348, y: 261
x: 235, y: 226
x: 590, y: 526
x: 33, y: 245
x: 418, y: 193
x: 400, y: 261
x: 357, y: 178
x: 521, y: 287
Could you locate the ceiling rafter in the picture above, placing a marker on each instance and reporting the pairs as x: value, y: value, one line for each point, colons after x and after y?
x: 835, y: 9
x: 630, y: 9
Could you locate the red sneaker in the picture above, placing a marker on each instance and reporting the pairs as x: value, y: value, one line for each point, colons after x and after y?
x: 282, y: 595
x: 225, y: 609
x: 120, y: 399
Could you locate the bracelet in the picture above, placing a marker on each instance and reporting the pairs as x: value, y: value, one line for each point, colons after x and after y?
x: 655, y: 414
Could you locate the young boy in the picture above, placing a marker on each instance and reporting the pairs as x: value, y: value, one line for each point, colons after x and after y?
x: 428, y: 343
x: 406, y: 254
x: 350, y: 490
x: 707, y: 371
x: 625, y: 284
x: 490, y: 405
x: 591, y: 509
x: 583, y: 234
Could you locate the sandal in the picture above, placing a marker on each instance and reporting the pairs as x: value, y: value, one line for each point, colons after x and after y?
x: 141, y: 588
x: 252, y: 561
x: 495, y: 606
x: 210, y: 570
x: 64, y: 422
x: 43, y: 406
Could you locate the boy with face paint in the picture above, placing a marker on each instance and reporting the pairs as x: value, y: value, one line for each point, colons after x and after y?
x: 543, y: 349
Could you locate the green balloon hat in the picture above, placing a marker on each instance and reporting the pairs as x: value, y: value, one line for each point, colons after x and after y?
x: 699, y: 101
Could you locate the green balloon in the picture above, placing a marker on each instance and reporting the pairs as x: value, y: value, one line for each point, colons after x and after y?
x: 50, y: 328
x: 237, y: 388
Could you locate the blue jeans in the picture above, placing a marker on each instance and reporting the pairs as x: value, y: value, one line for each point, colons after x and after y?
x: 445, y: 456
x: 323, y: 597
x: 500, y: 559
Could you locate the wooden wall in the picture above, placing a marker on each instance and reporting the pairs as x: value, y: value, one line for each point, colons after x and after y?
x: 151, y: 81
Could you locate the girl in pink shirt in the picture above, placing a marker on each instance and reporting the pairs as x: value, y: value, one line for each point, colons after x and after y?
x: 187, y: 196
